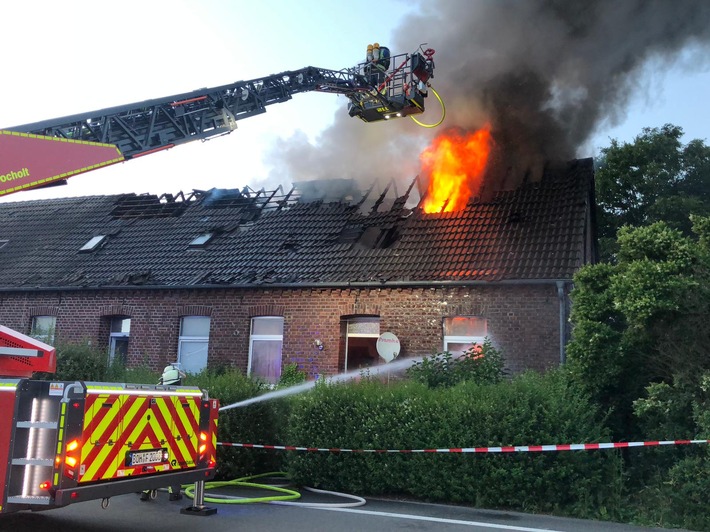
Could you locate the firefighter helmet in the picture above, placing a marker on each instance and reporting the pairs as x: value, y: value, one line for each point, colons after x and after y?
x: 172, y: 374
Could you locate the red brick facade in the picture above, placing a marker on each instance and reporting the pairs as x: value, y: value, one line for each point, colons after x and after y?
x: 523, y: 319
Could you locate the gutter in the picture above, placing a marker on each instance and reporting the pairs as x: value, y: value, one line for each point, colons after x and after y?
x: 336, y: 285
x: 563, y: 321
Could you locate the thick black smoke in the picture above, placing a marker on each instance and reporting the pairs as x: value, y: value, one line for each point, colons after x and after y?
x: 546, y: 74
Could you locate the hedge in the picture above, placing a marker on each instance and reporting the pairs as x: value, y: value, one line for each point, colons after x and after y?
x: 531, y: 409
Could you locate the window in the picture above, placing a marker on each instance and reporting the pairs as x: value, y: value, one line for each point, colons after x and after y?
x: 43, y: 328
x: 192, y: 344
x: 361, y: 336
x: 120, y: 330
x: 93, y: 244
x: 265, y: 346
x: 463, y: 332
x: 202, y: 240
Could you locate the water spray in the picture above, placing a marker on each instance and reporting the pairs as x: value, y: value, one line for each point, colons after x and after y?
x: 391, y: 367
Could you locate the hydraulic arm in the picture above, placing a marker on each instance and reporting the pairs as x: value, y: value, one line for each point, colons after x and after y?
x: 51, y: 151
x: 141, y: 128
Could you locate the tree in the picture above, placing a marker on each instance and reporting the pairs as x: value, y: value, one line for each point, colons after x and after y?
x: 655, y: 178
x: 644, y: 319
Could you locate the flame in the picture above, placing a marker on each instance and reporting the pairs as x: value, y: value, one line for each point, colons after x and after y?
x: 455, y: 163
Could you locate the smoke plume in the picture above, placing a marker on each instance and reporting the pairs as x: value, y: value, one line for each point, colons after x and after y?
x: 546, y: 74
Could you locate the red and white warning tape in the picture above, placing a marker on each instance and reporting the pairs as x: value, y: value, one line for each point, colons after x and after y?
x: 511, y: 449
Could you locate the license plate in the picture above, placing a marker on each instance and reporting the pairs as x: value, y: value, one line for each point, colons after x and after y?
x: 136, y: 458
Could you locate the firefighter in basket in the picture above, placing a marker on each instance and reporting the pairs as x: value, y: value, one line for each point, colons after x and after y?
x: 172, y: 376
x: 377, y: 61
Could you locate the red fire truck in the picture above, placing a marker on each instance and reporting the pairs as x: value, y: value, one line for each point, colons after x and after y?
x: 64, y: 442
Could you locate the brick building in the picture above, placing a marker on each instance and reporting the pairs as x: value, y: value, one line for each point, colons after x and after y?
x: 258, y: 280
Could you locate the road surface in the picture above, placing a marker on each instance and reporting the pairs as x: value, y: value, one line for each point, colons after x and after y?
x: 127, y: 514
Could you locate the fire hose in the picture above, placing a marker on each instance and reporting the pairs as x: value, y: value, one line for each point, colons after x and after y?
x: 286, y: 497
x: 443, y: 112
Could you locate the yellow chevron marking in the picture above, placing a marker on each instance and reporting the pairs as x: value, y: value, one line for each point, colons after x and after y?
x: 170, y: 421
x: 152, y: 418
x: 185, y: 418
x: 92, y: 468
x: 95, y: 436
x: 110, y: 418
x: 140, y: 426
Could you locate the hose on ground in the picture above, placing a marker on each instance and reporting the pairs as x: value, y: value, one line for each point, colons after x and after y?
x: 286, y: 496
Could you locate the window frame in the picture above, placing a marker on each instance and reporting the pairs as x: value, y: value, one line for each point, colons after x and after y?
x: 462, y: 339
x: 184, y: 340
x: 51, y: 332
x: 114, y: 337
x: 348, y: 335
x: 94, y: 243
x: 264, y: 337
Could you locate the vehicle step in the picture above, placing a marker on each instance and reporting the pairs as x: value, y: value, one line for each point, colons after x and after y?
x: 37, y: 424
x: 29, y: 499
x: 33, y: 461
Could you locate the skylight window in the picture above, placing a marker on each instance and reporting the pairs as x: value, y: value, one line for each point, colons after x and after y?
x: 94, y: 243
x: 202, y: 240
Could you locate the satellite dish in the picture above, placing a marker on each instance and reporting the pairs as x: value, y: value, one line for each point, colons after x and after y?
x: 388, y: 346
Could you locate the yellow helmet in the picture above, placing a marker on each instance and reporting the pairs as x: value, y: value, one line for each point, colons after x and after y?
x: 369, y: 47
x: 376, y: 45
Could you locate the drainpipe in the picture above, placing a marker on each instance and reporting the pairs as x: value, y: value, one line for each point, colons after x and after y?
x: 563, y: 316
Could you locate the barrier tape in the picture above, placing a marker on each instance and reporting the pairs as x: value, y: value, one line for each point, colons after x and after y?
x: 510, y: 449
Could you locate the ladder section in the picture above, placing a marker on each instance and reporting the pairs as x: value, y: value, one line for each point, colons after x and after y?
x: 35, y: 443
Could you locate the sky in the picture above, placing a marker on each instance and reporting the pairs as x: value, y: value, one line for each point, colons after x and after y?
x: 64, y: 57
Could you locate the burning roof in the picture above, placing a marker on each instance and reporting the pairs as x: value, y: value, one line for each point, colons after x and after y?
x: 543, y: 76
x: 540, y: 231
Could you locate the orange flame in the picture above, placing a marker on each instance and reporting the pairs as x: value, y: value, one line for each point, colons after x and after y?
x: 455, y: 163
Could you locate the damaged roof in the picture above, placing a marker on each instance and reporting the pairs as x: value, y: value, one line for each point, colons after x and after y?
x: 234, y: 238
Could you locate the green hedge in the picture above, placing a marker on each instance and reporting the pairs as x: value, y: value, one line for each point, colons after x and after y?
x: 444, y: 405
x: 530, y: 409
x: 668, y: 487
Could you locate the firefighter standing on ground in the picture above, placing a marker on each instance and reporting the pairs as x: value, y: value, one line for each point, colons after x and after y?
x: 172, y: 376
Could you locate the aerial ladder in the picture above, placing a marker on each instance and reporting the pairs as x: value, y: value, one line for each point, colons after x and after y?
x: 50, y: 151
x: 65, y: 442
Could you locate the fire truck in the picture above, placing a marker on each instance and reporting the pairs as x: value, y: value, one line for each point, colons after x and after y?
x: 65, y: 442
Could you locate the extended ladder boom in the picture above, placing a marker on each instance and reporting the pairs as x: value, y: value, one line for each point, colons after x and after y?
x: 95, y: 139
x: 147, y: 126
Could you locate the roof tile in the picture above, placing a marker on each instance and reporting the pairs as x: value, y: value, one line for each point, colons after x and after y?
x: 536, y: 231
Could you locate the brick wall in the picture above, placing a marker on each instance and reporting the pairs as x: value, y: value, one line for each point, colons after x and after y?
x: 523, y: 320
